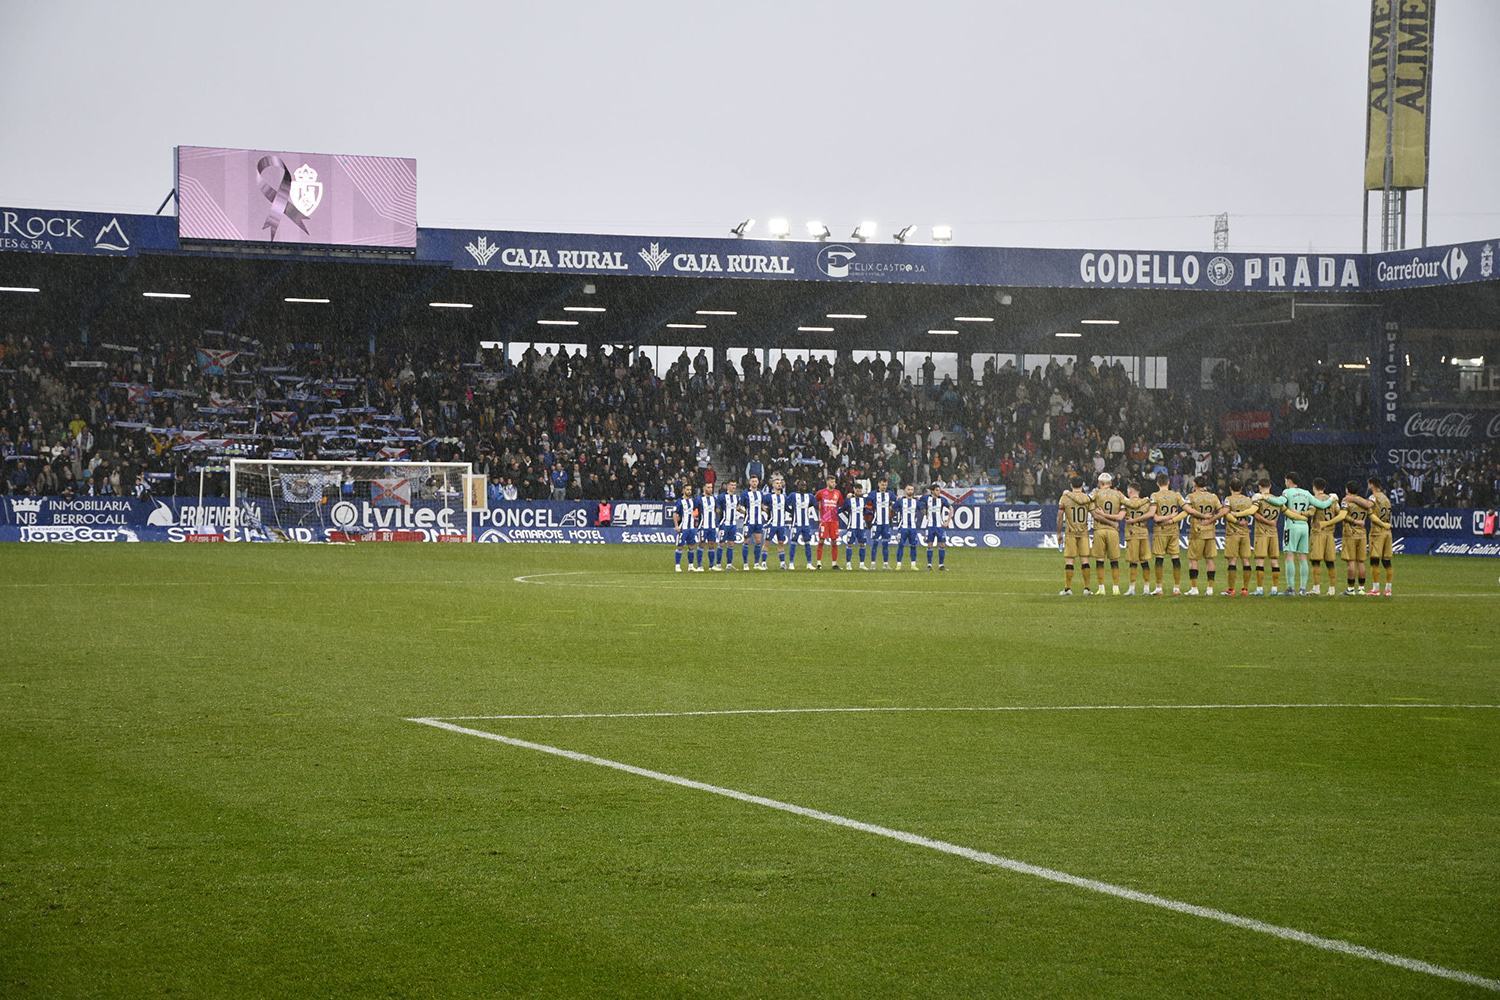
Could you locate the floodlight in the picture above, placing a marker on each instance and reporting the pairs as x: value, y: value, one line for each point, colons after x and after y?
x: 818, y: 231
x: 864, y: 232
x: 742, y: 228
x: 901, y: 236
x: 780, y: 228
x: 942, y: 234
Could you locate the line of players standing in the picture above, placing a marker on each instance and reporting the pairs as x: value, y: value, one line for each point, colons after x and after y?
x: 1251, y: 531
x: 711, y: 525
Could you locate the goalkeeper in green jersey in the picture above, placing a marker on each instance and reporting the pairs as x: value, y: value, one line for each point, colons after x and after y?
x: 1295, y: 503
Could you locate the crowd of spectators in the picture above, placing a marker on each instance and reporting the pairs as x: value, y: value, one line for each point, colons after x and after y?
x: 110, y: 420
x: 1300, y: 394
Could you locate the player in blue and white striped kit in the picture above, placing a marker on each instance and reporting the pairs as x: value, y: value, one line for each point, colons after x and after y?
x: 883, y: 509
x: 778, y: 519
x: 804, y: 523
x: 685, y: 519
x: 937, y: 515
x: 908, y: 517
x: 708, y: 528
x: 731, y: 523
x: 857, y: 519
x: 754, y: 502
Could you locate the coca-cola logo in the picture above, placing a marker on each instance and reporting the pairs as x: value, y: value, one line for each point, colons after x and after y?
x: 1448, y: 426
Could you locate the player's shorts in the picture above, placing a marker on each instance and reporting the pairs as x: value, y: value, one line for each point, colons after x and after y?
x: 777, y: 534
x: 936, y: 536
x: 907, y: 536
x: 1294, y: 537
x: 1355, y: 546
x: 859, y: 536
x: 881, y: 533
x: 828, y: 532
x: 1237, y: 546
x: 803, y: 534
x: 1202, y: 548
x: 687, y: 536
x: 1137, y: 550
x: 1320, y: 547
x: 1267, y: 543
x: 1076, y: 545
x: 1168, y: 542
x: 756, y: 529
x: 1381, y: 546
x: 1107, y: 545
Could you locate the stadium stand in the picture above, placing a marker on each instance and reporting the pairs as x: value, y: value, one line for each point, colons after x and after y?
x: 143, y: 419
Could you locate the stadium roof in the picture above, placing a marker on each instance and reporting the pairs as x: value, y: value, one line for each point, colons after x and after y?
x: 94, y: 272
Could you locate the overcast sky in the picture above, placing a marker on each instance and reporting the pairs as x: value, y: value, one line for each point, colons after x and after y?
x: 1092, y: 123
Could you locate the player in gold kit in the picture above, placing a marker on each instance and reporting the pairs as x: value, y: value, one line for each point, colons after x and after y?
x: 1267, y: 543
x: 1238, y: 509
x: 1140, y: 514
x: 1204, y: 510
x: 1167, y: 541
x: 1109, y: 511
x: 1382, y: 545
x: 1320, y: 544
x: 1073, y: 527
x: 1356, y: 541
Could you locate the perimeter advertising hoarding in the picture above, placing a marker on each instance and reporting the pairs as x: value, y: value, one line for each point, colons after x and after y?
x: 891, y: 263
x: 254, y: 195
x: 51, y: 230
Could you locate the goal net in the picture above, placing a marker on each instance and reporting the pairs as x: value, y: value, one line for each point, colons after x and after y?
x: 300, y: 501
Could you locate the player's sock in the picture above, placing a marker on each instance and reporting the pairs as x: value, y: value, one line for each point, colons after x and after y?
x: 929, y: 558
x: 834, y: 548
x: 942, y: 554
x: 1067, y: 577
x: 679, y: 559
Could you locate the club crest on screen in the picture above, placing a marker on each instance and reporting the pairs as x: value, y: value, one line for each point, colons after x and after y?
x: 306, y: 191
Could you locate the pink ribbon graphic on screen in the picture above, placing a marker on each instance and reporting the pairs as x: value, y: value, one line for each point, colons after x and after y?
x: 279, y: 196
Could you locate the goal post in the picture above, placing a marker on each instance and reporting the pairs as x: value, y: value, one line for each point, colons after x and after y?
x: 276, y: 499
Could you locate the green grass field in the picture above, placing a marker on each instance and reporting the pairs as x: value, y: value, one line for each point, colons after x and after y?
x: 212, y: 786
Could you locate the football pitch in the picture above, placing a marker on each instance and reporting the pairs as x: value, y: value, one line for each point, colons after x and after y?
x: 545, y: 771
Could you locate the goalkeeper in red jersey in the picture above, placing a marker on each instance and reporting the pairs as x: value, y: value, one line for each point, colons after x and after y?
x: 830, y: 501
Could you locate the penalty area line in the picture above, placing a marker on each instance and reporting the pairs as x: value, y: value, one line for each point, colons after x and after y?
x: 995, y: 860
x: 982, y: 708
x: 542, y: 580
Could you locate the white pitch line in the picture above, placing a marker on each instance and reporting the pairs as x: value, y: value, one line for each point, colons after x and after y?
x: 538, y: 580
x: 992, y: 708
x: 995, y: 860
